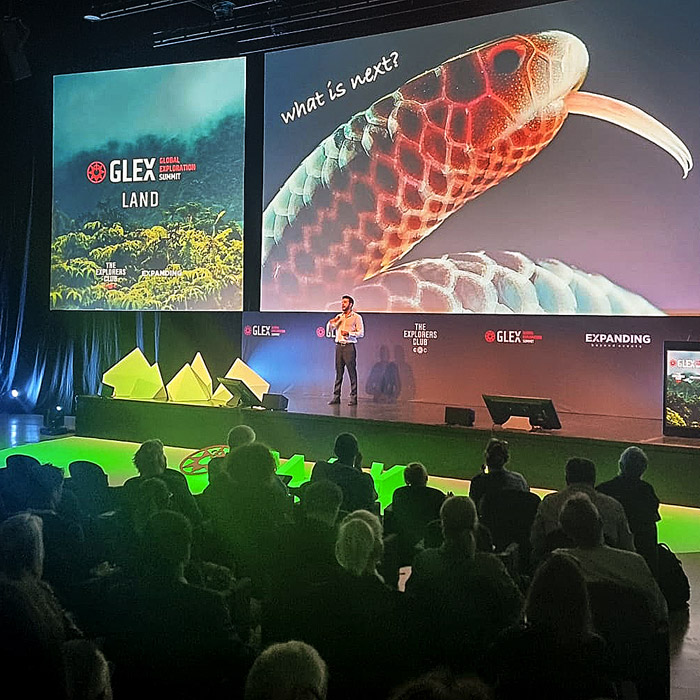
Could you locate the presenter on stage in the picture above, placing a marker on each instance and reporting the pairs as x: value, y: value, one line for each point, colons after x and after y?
x: 348, y: 328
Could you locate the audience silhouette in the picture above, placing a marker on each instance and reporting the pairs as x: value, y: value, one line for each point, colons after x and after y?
x: 639, y: 500
x: 133, y: 590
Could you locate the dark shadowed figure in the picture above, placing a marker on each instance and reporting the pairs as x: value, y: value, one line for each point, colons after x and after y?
x: 384, y: 382
x: 554, y: 653
x: 288, y: 671
x: 462, y: 598
x: 166, y: 636
x: 639, y: 500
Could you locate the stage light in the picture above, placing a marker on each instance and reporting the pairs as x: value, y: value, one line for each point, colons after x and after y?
x: 54, y: 421
x: 223, y: 10
x: 92, y: 18
x: 14, y: 393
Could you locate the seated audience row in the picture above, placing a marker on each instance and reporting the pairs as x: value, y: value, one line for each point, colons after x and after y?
x: 183, y: 589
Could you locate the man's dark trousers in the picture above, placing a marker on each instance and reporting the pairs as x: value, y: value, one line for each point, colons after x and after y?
x: 345, y: 356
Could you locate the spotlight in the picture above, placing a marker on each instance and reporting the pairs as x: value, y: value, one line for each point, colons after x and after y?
x: 54, y: 422
x: 14, y: 393
x: 92, y: 18
x: 223, y: 10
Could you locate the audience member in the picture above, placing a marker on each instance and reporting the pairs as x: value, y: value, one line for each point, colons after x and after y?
x: 87, y: 671
x: 89, y: 483
x: 252, y: 469
x: 151, y: 496
x: 554, y: 653
x: 22, y: 563
x: 17, y: 481
x: 356, y: 606
x: 66, y: 561
x: 150, y: 462
x: 583, y: 524
x: 238, y: 436
x: 120, y: 533
x: 22, y: 548
x: 415, y: 505
x: 352, y: 549
x: 248, y: 512
x: 357, y: 487
x: 493, y: 475
x: 166, y: 636
x: 309, y: 542
x: 464, y: 598
x: 442, y: 685
x: 30, y: 646
x: 546, y: 533
x: 639, y: 501
x: 289, y: 671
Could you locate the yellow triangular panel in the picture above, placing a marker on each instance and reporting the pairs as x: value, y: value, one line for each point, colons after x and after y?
x: 186, y: 386
x: 222, y: 395
x: 149, y: 386
x: 123, y: 376
x: 240, y: 370
x: 199, y: 367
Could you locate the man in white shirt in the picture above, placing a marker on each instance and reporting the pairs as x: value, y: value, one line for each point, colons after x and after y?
x: 348, y: 328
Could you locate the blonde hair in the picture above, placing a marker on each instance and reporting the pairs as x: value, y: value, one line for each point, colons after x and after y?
x: 356, y: 548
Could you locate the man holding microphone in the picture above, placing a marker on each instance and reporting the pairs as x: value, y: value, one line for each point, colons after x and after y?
x: 348, y: 328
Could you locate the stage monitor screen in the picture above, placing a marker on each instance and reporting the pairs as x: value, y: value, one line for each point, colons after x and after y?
x: 536, y: 161
x: 682, y: 389
x: 541, y: 412
x: 148, y: 188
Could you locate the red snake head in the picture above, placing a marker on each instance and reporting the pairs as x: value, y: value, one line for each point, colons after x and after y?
x: 507, y: 85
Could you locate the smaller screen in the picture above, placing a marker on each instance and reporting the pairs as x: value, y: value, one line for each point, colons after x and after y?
x: 148, y: 188
x: 682, y: 389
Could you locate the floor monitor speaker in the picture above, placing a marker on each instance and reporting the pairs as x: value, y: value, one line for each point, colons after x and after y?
x: 455, y: 415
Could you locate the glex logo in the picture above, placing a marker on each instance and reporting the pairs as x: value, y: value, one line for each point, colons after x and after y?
x: 511, y: 336
x: 264, y: 331
x: 123, y: 170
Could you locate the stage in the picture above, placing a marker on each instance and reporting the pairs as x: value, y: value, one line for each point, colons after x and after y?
x: 398, y: 433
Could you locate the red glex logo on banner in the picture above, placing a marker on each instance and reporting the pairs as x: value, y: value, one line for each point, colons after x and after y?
x: 511, y: 336
x: 685, y: 364
x: 96, y: 172
x: 267, y: 331
x: 139, y: 169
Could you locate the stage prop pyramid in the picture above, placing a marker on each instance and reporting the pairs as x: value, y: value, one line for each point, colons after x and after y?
x: 133, y: 377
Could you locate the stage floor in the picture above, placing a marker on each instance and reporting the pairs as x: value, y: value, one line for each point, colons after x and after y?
x: 574, y: 425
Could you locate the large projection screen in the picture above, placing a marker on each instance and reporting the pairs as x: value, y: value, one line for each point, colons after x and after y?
x: 148, y: 188
x: 494, y: 182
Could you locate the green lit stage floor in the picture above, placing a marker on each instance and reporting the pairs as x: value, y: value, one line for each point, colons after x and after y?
x: 679, y: 526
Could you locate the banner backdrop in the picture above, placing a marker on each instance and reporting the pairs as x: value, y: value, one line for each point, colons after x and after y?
x: 601, y: 365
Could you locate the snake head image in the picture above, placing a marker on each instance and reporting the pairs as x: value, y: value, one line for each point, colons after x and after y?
x: 393, y: 173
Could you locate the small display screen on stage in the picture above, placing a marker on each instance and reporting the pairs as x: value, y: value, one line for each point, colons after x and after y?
x: 682, y: 389
x: 148, y: 188
x: 537, y: 161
